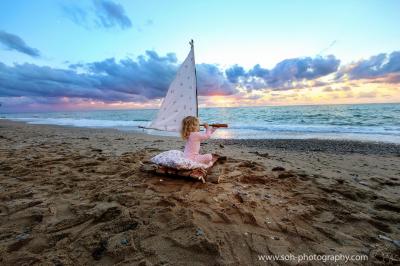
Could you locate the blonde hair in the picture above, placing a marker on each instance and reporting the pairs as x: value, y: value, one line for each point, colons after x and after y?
x: 189, y: 124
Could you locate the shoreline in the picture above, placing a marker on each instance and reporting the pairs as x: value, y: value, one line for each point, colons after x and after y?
x: 378, y: 131
x: 78, y: 196
x: 308, y: 145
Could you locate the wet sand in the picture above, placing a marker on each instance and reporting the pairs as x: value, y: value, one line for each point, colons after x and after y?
x: 76, y: 196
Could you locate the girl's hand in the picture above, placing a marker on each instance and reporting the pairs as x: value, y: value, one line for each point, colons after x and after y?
x: 206, y: 126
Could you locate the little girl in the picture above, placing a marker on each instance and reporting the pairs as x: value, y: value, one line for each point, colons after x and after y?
x: 190, y: 132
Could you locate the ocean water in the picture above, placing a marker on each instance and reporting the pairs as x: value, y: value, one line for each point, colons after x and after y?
x: 364, y: 122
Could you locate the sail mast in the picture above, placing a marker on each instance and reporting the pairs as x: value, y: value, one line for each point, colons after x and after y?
x: 195, y: 76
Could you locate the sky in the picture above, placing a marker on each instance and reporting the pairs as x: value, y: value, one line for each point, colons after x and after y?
x: 122, y: 54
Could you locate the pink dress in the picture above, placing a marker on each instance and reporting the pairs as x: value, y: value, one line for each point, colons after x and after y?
x: 192, y: 146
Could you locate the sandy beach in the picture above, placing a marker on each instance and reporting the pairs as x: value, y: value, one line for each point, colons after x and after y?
x: 77, y: 196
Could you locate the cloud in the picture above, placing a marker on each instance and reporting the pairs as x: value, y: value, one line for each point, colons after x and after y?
x: 14, y: 42
x: 235, y: 72
x: 259, y: 72
x: 111, y: 14
x: 32, y: 80
x: 371, y: 94
x: 328, y: 89
x: 376, y: 66
x: 211, y: 81
x: 77, y: 15
x: 146, y: 78
x: 284, y: 73
x: 151, y: 75
x: 103, y: 14
x: 304, y: 68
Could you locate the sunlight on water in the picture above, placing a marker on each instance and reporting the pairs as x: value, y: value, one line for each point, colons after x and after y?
x: 224, y: 134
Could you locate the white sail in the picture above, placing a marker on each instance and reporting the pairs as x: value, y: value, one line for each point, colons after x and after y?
x: 181, y: 98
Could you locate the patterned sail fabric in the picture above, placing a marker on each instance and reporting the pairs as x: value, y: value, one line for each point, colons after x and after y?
x: 181, y: 99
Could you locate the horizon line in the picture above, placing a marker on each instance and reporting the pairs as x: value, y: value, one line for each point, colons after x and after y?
x: 243, y: 106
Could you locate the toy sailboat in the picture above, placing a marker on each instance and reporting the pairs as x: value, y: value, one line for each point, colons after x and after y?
x: 181, y: 98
